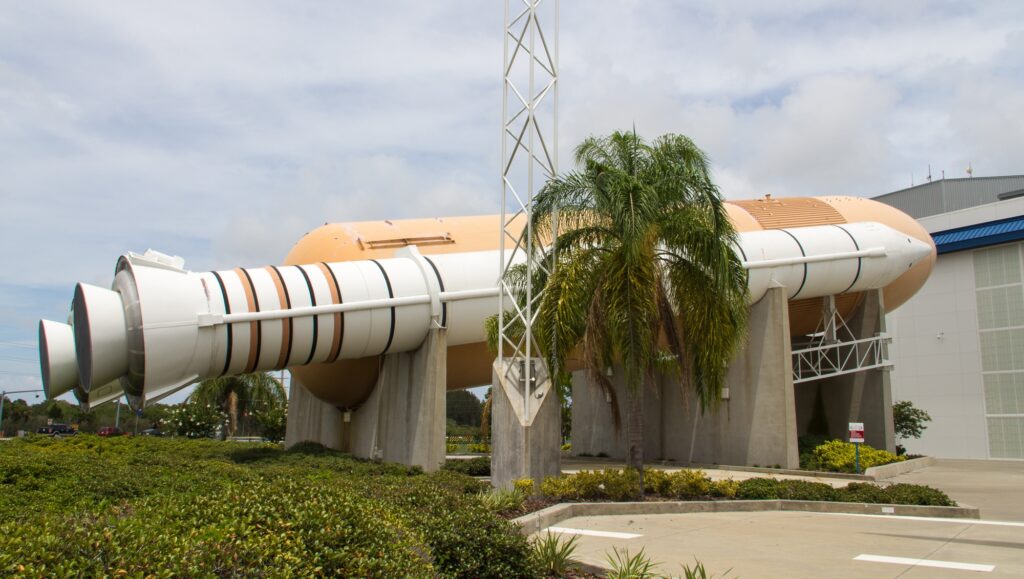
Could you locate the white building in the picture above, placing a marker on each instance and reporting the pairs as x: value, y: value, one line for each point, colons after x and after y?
x: 958, y: 345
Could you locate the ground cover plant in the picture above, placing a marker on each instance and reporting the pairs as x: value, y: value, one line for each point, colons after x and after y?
x: 624, y: 485
x: 86, y: 506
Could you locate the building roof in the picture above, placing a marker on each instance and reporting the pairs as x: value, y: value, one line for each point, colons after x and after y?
x: 980, y: 235
x: 947, y: 195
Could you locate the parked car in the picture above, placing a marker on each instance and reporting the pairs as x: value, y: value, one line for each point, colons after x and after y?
x: 109, y: 431
x: 151, y: 432
x: 57, y: 430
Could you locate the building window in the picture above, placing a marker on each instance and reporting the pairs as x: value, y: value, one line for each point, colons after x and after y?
x: 1000, y: 296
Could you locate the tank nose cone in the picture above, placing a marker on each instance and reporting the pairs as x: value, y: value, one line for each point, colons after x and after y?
x: 917, y: 250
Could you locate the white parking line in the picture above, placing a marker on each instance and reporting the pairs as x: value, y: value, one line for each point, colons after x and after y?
x: 590, y: 533
x: 926, y: 563
x: 931, y: 519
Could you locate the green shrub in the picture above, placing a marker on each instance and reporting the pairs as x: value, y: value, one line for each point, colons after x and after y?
x: 622, y: 565
x: 689, y: 484
x: 907, y: 494
x: 862, y: 493
x: 725, y: 489
x: 524, y: 486
x: 553, y: 555
x: 656, y: 481
x: 86, y: 506
x: 802, y: 490
x: 500, y: 502
x: 476, y: 466
x: 838, y: 456
x: 611, y: 484
x: 758, y: 489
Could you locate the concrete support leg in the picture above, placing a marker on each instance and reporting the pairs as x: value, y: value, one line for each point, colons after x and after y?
x: 311, y: 420
x: 862, y: 396
x: 526, y: 436
x: 403, y: 420
x: 756, y: 424
x: 594, y: 416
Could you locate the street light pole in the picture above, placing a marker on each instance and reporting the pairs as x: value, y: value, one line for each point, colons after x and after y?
x: 3, y: 398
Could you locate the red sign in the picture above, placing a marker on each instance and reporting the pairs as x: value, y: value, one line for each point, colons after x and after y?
x: 857, y: 432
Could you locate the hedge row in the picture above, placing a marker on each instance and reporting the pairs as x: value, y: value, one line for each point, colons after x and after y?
x: 624, y: 485
x: 86, y: 506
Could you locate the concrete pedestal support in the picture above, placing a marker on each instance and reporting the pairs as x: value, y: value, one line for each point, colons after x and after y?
x: 594, y: 416
x: 864, y: 396
x: 755, y: 425
x: 311, y: 419
x: 526, y: 436
x: 402, y: 421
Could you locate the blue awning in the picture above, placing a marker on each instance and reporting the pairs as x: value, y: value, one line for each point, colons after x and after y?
x: 980, y: 235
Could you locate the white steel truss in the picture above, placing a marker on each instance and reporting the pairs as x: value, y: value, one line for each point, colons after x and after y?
x: 529, y: 152
x: 836, y: 351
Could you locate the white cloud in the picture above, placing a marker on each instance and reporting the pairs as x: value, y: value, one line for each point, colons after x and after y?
x: 224, y: 131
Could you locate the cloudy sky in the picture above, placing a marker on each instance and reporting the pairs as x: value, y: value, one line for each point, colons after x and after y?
x: 222, y: 131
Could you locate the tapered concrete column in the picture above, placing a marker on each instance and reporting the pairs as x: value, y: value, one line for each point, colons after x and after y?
x: 311, y: 419
x: 864, y: 396
x: 756, y: 424
x: 526, y: 436
x: 403, y: 420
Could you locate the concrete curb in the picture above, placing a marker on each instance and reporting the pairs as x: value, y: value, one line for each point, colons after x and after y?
x: 786, y: 471
x: 897, y: 468
x: 542, y: 519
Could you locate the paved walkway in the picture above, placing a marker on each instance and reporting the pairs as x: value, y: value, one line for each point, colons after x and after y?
x: 996, y: 487
x: 572, y: 465
x: 794, y: 544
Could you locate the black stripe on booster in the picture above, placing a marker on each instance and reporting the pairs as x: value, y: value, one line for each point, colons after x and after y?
x: 227, y: 310
x: 440, y: 282
x: 859, y: 259
x: 312, y: 302
x: 391, y: 294
x: 288, y: 305
x: 803, y: 253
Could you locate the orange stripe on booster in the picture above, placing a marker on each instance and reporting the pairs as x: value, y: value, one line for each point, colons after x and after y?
x: 250, y: 299
x: 286, y: 323
x: 338, y: 321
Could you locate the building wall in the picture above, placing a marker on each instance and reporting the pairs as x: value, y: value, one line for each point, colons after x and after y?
x: 958, y: 345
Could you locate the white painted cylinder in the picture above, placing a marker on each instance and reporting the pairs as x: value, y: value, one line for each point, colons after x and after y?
x: 57, y: 358
x: 166, y: 328
x: 101, y: 341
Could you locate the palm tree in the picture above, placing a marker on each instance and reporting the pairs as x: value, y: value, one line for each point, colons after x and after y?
x: 646, y: 278
x: 240, y: 394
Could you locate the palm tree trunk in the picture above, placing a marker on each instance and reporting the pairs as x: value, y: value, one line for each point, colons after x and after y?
x: 635, y: 433
x: 232, y: 413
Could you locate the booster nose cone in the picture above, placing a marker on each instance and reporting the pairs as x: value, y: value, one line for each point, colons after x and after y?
x: 101, y: 340
x: 57, y: 359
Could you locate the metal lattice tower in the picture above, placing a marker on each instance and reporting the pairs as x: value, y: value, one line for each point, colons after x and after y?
x: 529, y: 151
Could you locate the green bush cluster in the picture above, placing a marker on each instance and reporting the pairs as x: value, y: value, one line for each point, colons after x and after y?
x: 624, y: 485
x: 87, y: 506
x: 476, y: 466
x: 839, y: 456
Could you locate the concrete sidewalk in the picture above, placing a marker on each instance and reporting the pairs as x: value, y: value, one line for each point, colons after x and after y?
x: 796, y: 544
x: 996, y: 487
x: 575, y: 464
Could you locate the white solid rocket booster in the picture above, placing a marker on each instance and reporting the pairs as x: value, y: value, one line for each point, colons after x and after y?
x: 161, y: 328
